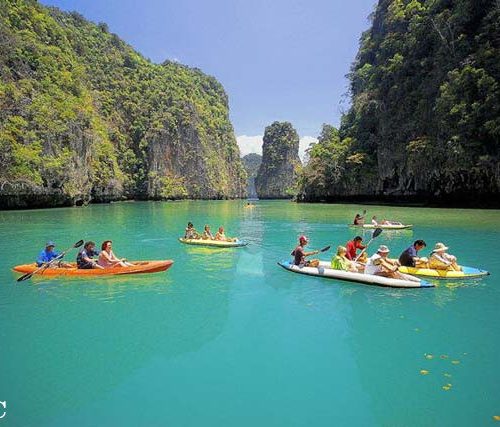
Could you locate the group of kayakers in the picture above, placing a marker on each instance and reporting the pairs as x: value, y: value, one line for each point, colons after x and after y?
x: 379, y: 263
x: 191, y: 233
x: 359, y: 219
x: 85, y: 258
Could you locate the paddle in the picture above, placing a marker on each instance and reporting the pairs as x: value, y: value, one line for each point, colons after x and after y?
x: 375, y: 234
x: 326, y: 248
x: 47, y: 264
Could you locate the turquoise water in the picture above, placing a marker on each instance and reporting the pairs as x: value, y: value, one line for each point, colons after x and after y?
x: 228, y: 338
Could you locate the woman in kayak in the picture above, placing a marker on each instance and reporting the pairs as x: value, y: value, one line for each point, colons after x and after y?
x: 440, y: 260
x: 299, y: 255
x: 341, y: 262
x: 220, y: 235
x: 359, y: 219
x: 190, y: 232
x: 207, y: 234
x: 107, y: 258
x: 379, y: 265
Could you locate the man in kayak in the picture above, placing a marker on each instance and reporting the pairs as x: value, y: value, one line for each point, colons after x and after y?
x: 221, y: 236
x: 84, y: 258
x: 440, y: 260
x: 409, y: 257
x: 47, y: 254
x: 300, y: 255
x: 379, y: 265
x: 352, y: 247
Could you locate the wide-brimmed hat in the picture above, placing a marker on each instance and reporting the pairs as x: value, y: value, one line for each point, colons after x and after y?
x: 383, y: 249
x: 440, y: 247
x: 50, y: 243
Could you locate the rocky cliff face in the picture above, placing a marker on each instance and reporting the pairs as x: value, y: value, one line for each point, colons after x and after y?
x: 425, y: 116
x: 277, y: 176
x: 83, y: 117
x: 251, y: 162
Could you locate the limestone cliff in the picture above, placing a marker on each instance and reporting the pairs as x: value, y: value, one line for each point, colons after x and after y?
x: 424, y: 121
x: 251, y: 162
x: 280, y: 165
x: 83, y: 117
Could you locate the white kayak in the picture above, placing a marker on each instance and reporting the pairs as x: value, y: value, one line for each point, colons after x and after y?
x: 324, y: 270
x: 384, y: 226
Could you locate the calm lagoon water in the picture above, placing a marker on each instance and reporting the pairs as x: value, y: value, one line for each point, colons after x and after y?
x: 228, y: 338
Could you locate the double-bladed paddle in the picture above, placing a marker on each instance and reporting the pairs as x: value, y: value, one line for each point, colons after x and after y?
x: 47, y: 264
x: 375, y: 234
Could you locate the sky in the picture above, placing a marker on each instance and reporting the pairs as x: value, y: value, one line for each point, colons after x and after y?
x: 282, y: 60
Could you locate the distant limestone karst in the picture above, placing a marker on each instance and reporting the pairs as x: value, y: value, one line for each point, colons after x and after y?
x: 251, y: 162
x: 281, y: 164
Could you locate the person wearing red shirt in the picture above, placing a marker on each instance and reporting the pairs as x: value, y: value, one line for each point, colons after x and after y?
x: 352, y: 246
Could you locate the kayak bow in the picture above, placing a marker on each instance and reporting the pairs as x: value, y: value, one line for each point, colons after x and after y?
x: 466, y: 273
x: 213, y: 243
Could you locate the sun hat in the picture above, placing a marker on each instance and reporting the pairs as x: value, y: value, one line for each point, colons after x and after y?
x: 50, y: 243
x: 440, y: 247
x: 384, y: 249
x: 303, y: 238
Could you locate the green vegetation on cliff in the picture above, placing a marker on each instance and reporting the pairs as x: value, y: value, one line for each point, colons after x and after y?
x: 84, y: 116
x: 425, y: 116
x: 251, y: 162
x: 277, y: 175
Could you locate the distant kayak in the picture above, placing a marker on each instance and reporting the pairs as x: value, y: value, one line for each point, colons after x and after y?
x: 384, y: 226
x: 466, y: 273
x: 139, y: 267
x: 324, y: 270
x: 215, y: 243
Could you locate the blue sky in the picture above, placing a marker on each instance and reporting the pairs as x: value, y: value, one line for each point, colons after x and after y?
x: 277, y: 59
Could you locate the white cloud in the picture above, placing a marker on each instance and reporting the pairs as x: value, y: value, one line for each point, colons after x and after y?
x: 249, y: 144
x: 253, y: 144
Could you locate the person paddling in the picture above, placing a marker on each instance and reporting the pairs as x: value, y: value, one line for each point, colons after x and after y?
x: 220, y: 235
x: 409, y: 257
x: 47, y: 254
x: 379, y: 265
x: 84, y: 258
x: 300, y: 255
x: 108, y: 259
x: 359, y: 219
x: 352, y: 247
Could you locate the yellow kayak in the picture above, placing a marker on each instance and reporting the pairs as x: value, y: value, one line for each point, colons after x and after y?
x: 214, y: 243
x: 466, y: 273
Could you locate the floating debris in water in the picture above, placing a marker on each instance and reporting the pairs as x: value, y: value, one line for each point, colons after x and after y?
x: 446, y: 387
x: 444, y: 356
x: 446, y: 374
x: 429, y: 356
x: 424, y: 371
x: 496, y: 417
x: 455, y: 362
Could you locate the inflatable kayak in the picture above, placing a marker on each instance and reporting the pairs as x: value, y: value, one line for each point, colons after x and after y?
x: 215, y: 243
x: 466, y: 273
x: 384, y: 226
x: 138, y: 268
x: 324, y: 270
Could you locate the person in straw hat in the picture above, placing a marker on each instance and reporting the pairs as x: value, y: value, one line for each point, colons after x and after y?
x: 441, y: 260
x: 380, y: 265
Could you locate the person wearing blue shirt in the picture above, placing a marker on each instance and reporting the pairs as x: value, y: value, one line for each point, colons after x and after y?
x: 409, y: 257
x: 47, y: 254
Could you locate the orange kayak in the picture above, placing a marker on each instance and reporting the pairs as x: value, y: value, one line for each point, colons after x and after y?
x: 138, y: 268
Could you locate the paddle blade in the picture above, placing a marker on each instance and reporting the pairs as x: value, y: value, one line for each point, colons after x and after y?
x: 376, y: 233
x: 24, y: 277
x: 78, y: 244
x: 326, y: 248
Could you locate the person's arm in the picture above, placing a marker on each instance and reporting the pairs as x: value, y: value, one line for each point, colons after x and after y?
x: 311, y: 253
x: 41, y: 258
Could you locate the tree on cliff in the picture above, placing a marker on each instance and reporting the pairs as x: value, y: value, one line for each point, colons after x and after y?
x: 425, y: 109
x: 278, y: 172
